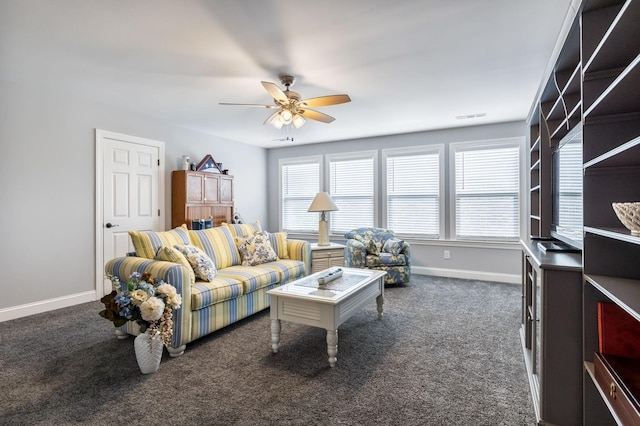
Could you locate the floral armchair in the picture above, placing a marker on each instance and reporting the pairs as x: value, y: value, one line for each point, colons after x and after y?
x: 377, y: 248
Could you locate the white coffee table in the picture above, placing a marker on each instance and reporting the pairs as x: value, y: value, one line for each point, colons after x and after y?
x: 327, y: 306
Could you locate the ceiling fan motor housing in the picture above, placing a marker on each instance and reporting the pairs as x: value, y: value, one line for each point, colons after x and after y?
x: 287, y: 80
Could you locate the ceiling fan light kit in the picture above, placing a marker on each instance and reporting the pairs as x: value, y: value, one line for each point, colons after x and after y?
x: 292, y: 110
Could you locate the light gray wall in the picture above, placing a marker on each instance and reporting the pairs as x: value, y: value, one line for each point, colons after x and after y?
x: 47, y: 196
x: 467, y: 259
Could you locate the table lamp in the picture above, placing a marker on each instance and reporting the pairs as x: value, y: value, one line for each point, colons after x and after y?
x: 323, y: 203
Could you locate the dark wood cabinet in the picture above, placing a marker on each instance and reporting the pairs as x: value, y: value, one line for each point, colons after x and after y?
x: 551, y: 333
x: 201, y: 195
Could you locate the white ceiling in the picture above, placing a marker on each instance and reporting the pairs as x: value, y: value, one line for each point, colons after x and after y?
x: 408, y: 65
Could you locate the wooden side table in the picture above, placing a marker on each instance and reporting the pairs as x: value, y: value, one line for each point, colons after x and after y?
x: 323, y: 257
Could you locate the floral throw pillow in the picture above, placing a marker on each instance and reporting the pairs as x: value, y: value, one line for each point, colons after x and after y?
x: 202, y: 264
x: 373, y: 246
x: 393, y: 246
x: 255, y: 249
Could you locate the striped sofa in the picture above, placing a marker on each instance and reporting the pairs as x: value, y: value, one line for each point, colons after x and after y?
x: 235, y: 293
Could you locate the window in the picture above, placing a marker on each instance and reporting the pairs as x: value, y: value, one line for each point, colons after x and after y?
x: 487, y: 190
x: 413, y: 191
x: 352, y: 188
x: 299, y: 183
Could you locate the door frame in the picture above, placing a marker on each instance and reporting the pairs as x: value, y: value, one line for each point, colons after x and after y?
x: 100, y: 137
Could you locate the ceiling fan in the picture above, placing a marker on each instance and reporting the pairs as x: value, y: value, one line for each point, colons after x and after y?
x: 290, y: 109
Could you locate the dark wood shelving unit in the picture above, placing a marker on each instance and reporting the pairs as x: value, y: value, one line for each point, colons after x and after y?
x: 611, y: 148
x: 595, y: 84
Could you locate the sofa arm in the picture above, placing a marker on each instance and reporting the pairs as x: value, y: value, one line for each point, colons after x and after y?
x: 300, y: 250
x: 172, y: 273
x: 355, y: 254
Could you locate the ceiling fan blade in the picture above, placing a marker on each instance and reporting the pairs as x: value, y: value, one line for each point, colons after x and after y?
x: 326, y: 100
x: 251, y: 105
x: 275, y: 92
x: 316, y: 115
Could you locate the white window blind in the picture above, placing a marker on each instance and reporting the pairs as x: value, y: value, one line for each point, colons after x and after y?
x: 487, y: 193
x: 413, y: 193
x: 351, y: 186
x: 300, y: 184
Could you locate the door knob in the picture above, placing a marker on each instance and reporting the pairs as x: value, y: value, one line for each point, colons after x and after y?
x: 110, y: 225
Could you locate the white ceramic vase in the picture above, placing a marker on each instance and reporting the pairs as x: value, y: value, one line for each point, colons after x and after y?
x: 148, y: 352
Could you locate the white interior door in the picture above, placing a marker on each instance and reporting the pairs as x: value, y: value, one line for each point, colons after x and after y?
x: 132, y: 194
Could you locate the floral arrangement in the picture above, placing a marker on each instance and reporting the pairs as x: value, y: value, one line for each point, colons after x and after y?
x: 148, y: 301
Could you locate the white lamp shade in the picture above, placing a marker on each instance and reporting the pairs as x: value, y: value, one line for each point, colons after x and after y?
x: 322, y: 203
x: 298, y: 121
x: 286, y: 116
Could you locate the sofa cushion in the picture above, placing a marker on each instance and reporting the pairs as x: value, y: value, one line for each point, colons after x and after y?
x: 205, y: 294
x: 288, y: 269
x: 279, y: 243
x: 255, y: 249
x: 171, y: 254
x: 202, y: 264
x: 385, y: 259
x: 243, y: 229
x: 252, y: 277
x: 218, y: 244
x: 393, y: 246
x: 147, y: 243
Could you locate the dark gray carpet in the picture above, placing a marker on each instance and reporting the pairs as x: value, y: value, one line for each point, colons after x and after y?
x: 446, y: 353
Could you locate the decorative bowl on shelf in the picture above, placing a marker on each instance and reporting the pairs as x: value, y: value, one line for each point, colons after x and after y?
x: 629, y: 215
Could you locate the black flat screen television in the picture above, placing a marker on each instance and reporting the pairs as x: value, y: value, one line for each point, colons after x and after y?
x: 566, y: 219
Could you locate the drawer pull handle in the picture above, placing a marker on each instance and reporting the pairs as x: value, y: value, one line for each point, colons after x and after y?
x: 612, y: 390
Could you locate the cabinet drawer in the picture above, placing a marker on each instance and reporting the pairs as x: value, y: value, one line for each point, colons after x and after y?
x: 609, y: 372
x: 327, y: 254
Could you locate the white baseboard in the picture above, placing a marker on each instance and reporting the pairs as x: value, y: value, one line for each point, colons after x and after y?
x: 20, y: 311
x: 468, y: 275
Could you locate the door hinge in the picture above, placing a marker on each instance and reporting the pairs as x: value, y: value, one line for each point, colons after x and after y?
x: 158, y: 161
x: 158, y: 212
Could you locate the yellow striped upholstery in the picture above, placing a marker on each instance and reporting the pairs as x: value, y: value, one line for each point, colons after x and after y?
x: 288, y: 270
x: 218, y: 244
x: 243, y: 229
x: 251, y: 277
x: 215, y: 317
x: 147, y: 243
x: 205, y: 294
x: 278, y: 241
x: 300, y: 250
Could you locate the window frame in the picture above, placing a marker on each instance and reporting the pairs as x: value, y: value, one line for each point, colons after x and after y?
x: 438, y: 149
x: 356, y: 155
x: 487, y: 144
x: 282, y: 162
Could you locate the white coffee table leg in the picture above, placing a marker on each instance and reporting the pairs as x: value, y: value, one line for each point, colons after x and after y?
x: 380, y: 302
x: 332, y: 346
x: 275, y: 335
